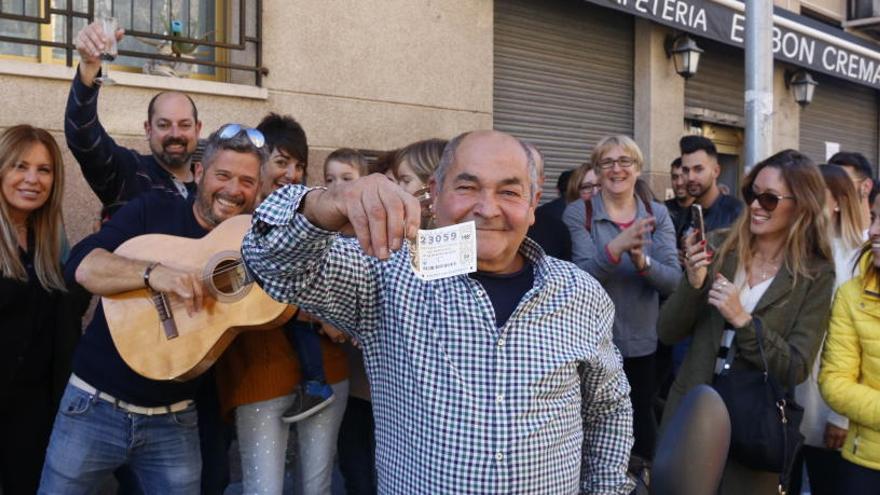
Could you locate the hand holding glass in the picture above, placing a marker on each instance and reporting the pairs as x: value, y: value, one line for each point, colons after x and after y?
x: 109, y: 25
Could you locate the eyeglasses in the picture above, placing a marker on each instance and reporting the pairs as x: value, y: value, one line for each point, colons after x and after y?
x: 589, y: 186
x: 229, y: 131
x: 623, y: 161
x: 768, y: 201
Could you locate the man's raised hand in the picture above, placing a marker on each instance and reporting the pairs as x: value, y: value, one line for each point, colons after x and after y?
x: 374, y: 209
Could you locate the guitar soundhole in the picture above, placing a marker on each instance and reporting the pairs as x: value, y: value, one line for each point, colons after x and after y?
x: 229, y: 277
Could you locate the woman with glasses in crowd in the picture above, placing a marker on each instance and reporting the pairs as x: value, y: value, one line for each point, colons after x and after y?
x: 824, y: 430
x: 627, y: 243
x: 31, y: 284
x: 850, y: 373
x: 772, y: 271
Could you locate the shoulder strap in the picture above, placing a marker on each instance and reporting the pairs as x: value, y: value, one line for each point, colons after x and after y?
x: 588, y: 214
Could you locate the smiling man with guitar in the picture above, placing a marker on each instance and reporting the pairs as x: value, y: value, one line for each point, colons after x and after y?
x: 110, y: 415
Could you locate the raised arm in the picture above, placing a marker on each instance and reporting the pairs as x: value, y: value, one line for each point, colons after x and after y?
x: 296, y: 254
x: 606, y: 410
x: 106, y: 166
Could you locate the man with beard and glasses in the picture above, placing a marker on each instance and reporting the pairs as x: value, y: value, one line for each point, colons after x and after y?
x: 505, y: 380
x: 117, y: 174
x: 110, y: 416
x: 700, y: 167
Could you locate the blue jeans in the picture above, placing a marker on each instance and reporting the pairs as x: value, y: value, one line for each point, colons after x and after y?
x: 306, y: 344
x: 91, y: 438
x: 262, y: 443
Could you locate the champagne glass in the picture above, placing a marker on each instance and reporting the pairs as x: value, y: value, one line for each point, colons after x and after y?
x: 110, y: 25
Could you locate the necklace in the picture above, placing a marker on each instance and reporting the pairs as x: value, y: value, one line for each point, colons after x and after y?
x: 768, y: 268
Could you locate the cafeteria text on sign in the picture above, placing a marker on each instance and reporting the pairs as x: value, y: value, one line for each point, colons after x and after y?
x: 796, y: 39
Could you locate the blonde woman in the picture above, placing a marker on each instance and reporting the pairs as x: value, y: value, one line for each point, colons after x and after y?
x: 627, y: 243
x: 31, y: 283
x: 824, y: 430
x: 850, y: 375
x: 772, y: 272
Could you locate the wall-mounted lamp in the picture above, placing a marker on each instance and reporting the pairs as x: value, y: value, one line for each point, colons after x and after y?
x: 802, y: 87
x: 685, y: 55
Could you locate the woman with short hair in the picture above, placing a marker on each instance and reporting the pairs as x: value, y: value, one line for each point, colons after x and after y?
x: 627, y: 242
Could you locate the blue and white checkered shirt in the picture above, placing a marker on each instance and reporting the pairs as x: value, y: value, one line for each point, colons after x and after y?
x: 540, y: 405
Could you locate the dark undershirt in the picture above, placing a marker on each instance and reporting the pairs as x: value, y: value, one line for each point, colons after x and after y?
x: 506, y: 291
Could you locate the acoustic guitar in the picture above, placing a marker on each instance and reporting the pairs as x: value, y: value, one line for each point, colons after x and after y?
x: 152, y: 330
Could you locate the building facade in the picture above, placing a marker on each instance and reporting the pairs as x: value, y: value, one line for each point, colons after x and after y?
x: 376, y: 75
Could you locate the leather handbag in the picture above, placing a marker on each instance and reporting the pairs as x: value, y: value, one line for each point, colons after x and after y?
x: 765, y: 419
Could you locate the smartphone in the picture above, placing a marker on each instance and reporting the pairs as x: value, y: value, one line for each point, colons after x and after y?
x: 697, y: 222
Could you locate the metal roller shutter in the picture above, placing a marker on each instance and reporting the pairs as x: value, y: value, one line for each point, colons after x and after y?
x: 718, y: 86
x: 841, y: 112
x: 563, y: 78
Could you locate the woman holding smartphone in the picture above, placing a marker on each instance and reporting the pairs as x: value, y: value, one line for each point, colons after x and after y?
x: 773, y: 270
x: 628, y: 244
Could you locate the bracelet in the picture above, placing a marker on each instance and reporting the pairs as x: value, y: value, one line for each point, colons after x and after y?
x: 147, y: 272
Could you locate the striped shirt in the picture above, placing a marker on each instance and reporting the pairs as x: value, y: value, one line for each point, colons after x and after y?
x: 539, y: 405
x: 116, y: 174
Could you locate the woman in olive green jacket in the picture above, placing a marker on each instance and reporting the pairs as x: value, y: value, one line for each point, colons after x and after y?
x: 850, y: 374
x: 773, y: 266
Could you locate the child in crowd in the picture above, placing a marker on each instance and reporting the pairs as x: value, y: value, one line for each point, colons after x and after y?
x: 342, y: 165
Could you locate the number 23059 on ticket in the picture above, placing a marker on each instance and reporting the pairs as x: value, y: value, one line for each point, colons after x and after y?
x: 445, y: 252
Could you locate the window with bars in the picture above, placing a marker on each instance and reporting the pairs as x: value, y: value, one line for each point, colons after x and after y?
x: 212, y: 39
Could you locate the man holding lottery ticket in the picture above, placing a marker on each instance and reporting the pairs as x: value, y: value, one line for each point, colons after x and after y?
x: 499, y: 380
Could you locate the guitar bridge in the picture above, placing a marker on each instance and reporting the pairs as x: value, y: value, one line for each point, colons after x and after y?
x: 165, y: 315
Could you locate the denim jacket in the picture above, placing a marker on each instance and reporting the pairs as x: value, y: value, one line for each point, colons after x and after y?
x: 636, y: 296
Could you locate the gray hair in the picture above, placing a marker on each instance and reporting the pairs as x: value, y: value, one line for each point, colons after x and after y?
x: 240, y: 143
x: 451, y: 148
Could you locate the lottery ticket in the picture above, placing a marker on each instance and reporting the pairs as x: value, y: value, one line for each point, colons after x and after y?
x: 445, y: 252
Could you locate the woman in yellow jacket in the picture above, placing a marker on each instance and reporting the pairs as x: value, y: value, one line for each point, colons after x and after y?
x: 850, y: 376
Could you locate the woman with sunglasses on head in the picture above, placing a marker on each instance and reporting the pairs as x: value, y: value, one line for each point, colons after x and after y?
x: 824, y: 430
x: 627, y: 243
x: 850, y: 375
x: 31, y: 285
x: 771, y: 275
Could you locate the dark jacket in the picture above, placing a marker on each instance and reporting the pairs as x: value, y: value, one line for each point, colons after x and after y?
x: 794, y: 320
x: 550, y: 232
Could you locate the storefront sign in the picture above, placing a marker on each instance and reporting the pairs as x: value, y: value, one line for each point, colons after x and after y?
x: 823, y: 49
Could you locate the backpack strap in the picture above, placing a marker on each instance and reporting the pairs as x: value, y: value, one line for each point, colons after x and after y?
x: 588, y: 214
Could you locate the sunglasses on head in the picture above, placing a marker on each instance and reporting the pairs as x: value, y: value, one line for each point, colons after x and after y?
x: 256, y: 137
x: 768, y: 201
